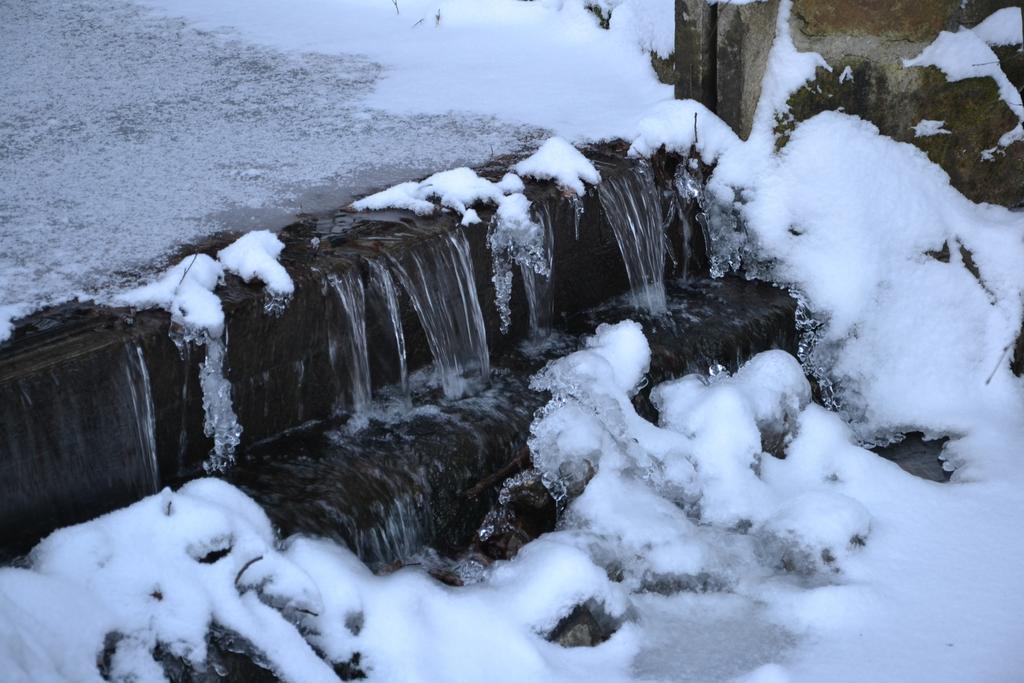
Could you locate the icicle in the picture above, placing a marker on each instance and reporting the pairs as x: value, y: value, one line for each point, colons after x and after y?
x: 577, y: 214
x: 221, y: 423
x: 516, y: 238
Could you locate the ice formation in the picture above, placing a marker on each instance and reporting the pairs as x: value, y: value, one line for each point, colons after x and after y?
x: 186, y: 291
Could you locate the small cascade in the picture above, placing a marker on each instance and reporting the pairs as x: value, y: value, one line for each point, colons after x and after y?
x: 632, y: 204
x: 382, y: 302
x: 438, y: 277
x: 354, y: 350
x: 517, y: 238
x: 537, y: 281
x: 140, y: 394
x: 220, y: 423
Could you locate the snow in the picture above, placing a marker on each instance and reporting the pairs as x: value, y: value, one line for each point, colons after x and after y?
x: 8, y: 313
x: 455, y: 189
x: 186, y: 291
x: 846, y: 75
x: 912, y: 340
x: 718, y: 560
x: 134, y: 127
x: 1002, y: 27
x: 681, y: 124
x: 558, y: 160
x: 928, y: 127
x: 164, y: 569
x: 254, y: 256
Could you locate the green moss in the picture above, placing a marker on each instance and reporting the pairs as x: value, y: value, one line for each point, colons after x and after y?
x: 895, y: 99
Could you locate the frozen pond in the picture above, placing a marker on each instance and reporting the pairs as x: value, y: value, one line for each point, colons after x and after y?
x: 124, y: 133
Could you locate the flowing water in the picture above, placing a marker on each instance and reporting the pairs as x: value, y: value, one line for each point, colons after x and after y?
x: 537, y: 280
x: 351, y: 354
x: 632, y: 204
x: 382, y: 304
x: 438, y: 277
x: 140, y: 395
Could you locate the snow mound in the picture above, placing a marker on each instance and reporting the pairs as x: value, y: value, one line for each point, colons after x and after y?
x: 680, y: 125
x: 456, y: 189
x: 558, y: 160
x: 254, y: 256
x: 166, y: 571
x: 186, y: 291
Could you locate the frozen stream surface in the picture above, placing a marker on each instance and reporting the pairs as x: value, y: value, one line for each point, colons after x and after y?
x: 124, y: 133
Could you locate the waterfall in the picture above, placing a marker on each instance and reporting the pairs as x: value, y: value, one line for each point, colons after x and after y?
x: 383, y: 302
x: 537, y: 280
x: 438, y: 277
x: 220, y: 423
x: 352, y: 297
x: 140, y: 395
x: 632, y: 204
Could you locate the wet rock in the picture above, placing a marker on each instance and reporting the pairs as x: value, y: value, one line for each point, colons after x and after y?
x: 525, y: 510
x: 918, y: 456
x: 585, y: 626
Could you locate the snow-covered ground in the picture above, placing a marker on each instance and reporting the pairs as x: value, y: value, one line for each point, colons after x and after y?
x: 716, y: 560
x: 129, y: 128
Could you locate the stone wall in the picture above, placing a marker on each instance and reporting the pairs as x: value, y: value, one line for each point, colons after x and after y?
x: 722, y: 52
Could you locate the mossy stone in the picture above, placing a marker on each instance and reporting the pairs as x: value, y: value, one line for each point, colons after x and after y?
x: 911, y: 20
x: 895, y: 99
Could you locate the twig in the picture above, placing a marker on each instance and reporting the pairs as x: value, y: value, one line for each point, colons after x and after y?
x: 518, y: 463
x: 1002, y: 356
x: 245, y: 566
x: 188, y: 268
x: 395, y: 3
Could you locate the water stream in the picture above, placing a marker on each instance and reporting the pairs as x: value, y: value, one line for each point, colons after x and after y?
x: 632, y: 204
x: 351, y: 354
x: 382, y: 303
x: 140, y: 394
x: 537, y: 280
x: 438, y: 277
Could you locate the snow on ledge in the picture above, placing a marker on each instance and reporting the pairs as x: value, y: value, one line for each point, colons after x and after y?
x: 558, y: 160
x: 681, y: 124
x: 457, y: 189
x: 186, y: 290
x: 254, y: 255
